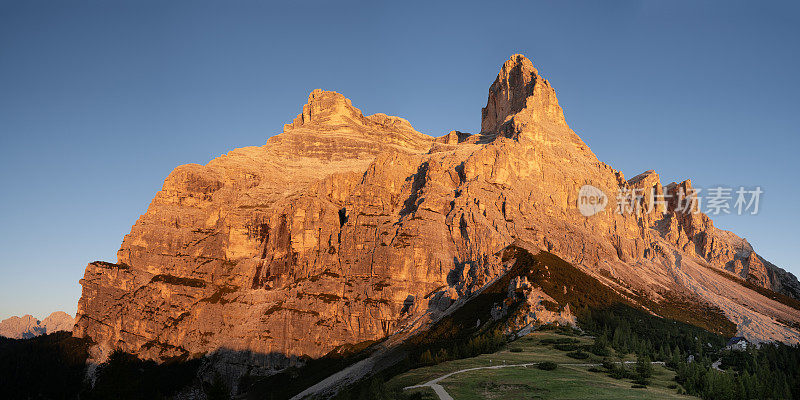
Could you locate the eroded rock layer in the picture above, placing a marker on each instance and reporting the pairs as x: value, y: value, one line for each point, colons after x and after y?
x: 347, y: 228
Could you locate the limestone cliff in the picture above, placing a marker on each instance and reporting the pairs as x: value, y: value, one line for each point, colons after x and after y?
x: 347, y: 228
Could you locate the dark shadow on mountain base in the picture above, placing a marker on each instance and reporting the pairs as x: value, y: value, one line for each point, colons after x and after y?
x: 53, y: 366
x: 47, y: 367
x: 125, y: 376
x: 288, y: 382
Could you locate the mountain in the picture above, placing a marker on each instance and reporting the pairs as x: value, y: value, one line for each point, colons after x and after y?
x: 348, y: 229
x: 27, y: 326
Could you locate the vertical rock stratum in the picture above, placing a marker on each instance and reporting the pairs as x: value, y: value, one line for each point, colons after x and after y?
x: 348, y: 228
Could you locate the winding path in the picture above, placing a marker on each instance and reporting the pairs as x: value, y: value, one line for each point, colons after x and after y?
x: 443, y: 395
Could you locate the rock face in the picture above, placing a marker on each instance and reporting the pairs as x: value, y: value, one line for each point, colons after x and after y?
x: 347, y: 228
x: 27, y: 326
x: 519, y: 94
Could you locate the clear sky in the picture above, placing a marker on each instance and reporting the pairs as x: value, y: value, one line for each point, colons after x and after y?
x: 100, y: 100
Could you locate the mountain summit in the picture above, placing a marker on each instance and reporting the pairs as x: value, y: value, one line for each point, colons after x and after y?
x: 519, y: 89
x: 27, y: 326
x: 347, y: 228
x: 332, y: 111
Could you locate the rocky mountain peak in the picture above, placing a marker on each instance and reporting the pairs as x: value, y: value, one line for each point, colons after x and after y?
x: 331, y: 110
x: 57, y: 321
x: 28, y: 326
x: 331, y: 127
x: 646, y: 177
x: 348, y: 228
x: 326, y: 108
x: 519, y: 89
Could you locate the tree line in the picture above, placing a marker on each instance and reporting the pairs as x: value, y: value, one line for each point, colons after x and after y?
x: 771, y: 371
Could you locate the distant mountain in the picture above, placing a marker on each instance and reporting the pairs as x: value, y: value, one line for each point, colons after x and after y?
x: 27, y: 326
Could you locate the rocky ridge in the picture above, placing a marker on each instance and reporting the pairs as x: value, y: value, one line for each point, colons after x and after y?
x: 27, y: 326
x: 348, y: 228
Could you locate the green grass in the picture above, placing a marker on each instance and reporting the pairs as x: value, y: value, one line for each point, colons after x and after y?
x: 565, y: 382
x: 426, y: 393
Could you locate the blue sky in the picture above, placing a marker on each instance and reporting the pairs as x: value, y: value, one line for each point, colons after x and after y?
x: 100, y: 100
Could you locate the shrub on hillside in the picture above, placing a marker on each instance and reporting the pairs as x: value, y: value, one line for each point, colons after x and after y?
x: 578, y: 355
x: 565, y: 347
x: 547, y: 365
x: 558, y: 341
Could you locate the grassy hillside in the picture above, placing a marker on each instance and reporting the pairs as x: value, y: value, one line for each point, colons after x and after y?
x: 569, y: 380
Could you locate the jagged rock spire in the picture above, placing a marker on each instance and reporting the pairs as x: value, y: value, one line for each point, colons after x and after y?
x: 519, y: 89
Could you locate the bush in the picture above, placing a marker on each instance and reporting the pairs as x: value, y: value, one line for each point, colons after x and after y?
x: 641, y: 381
x: 620, y: 372
x: 639, y: 386
x: 578, y: 355
x: 515, y: 350
x: 411, y: 396
x: 561, y: 340
x: 568, y: 330
x: 547, y: 365
x: 565, y: 347
x: 547, y: 327
x: 600, y: 351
